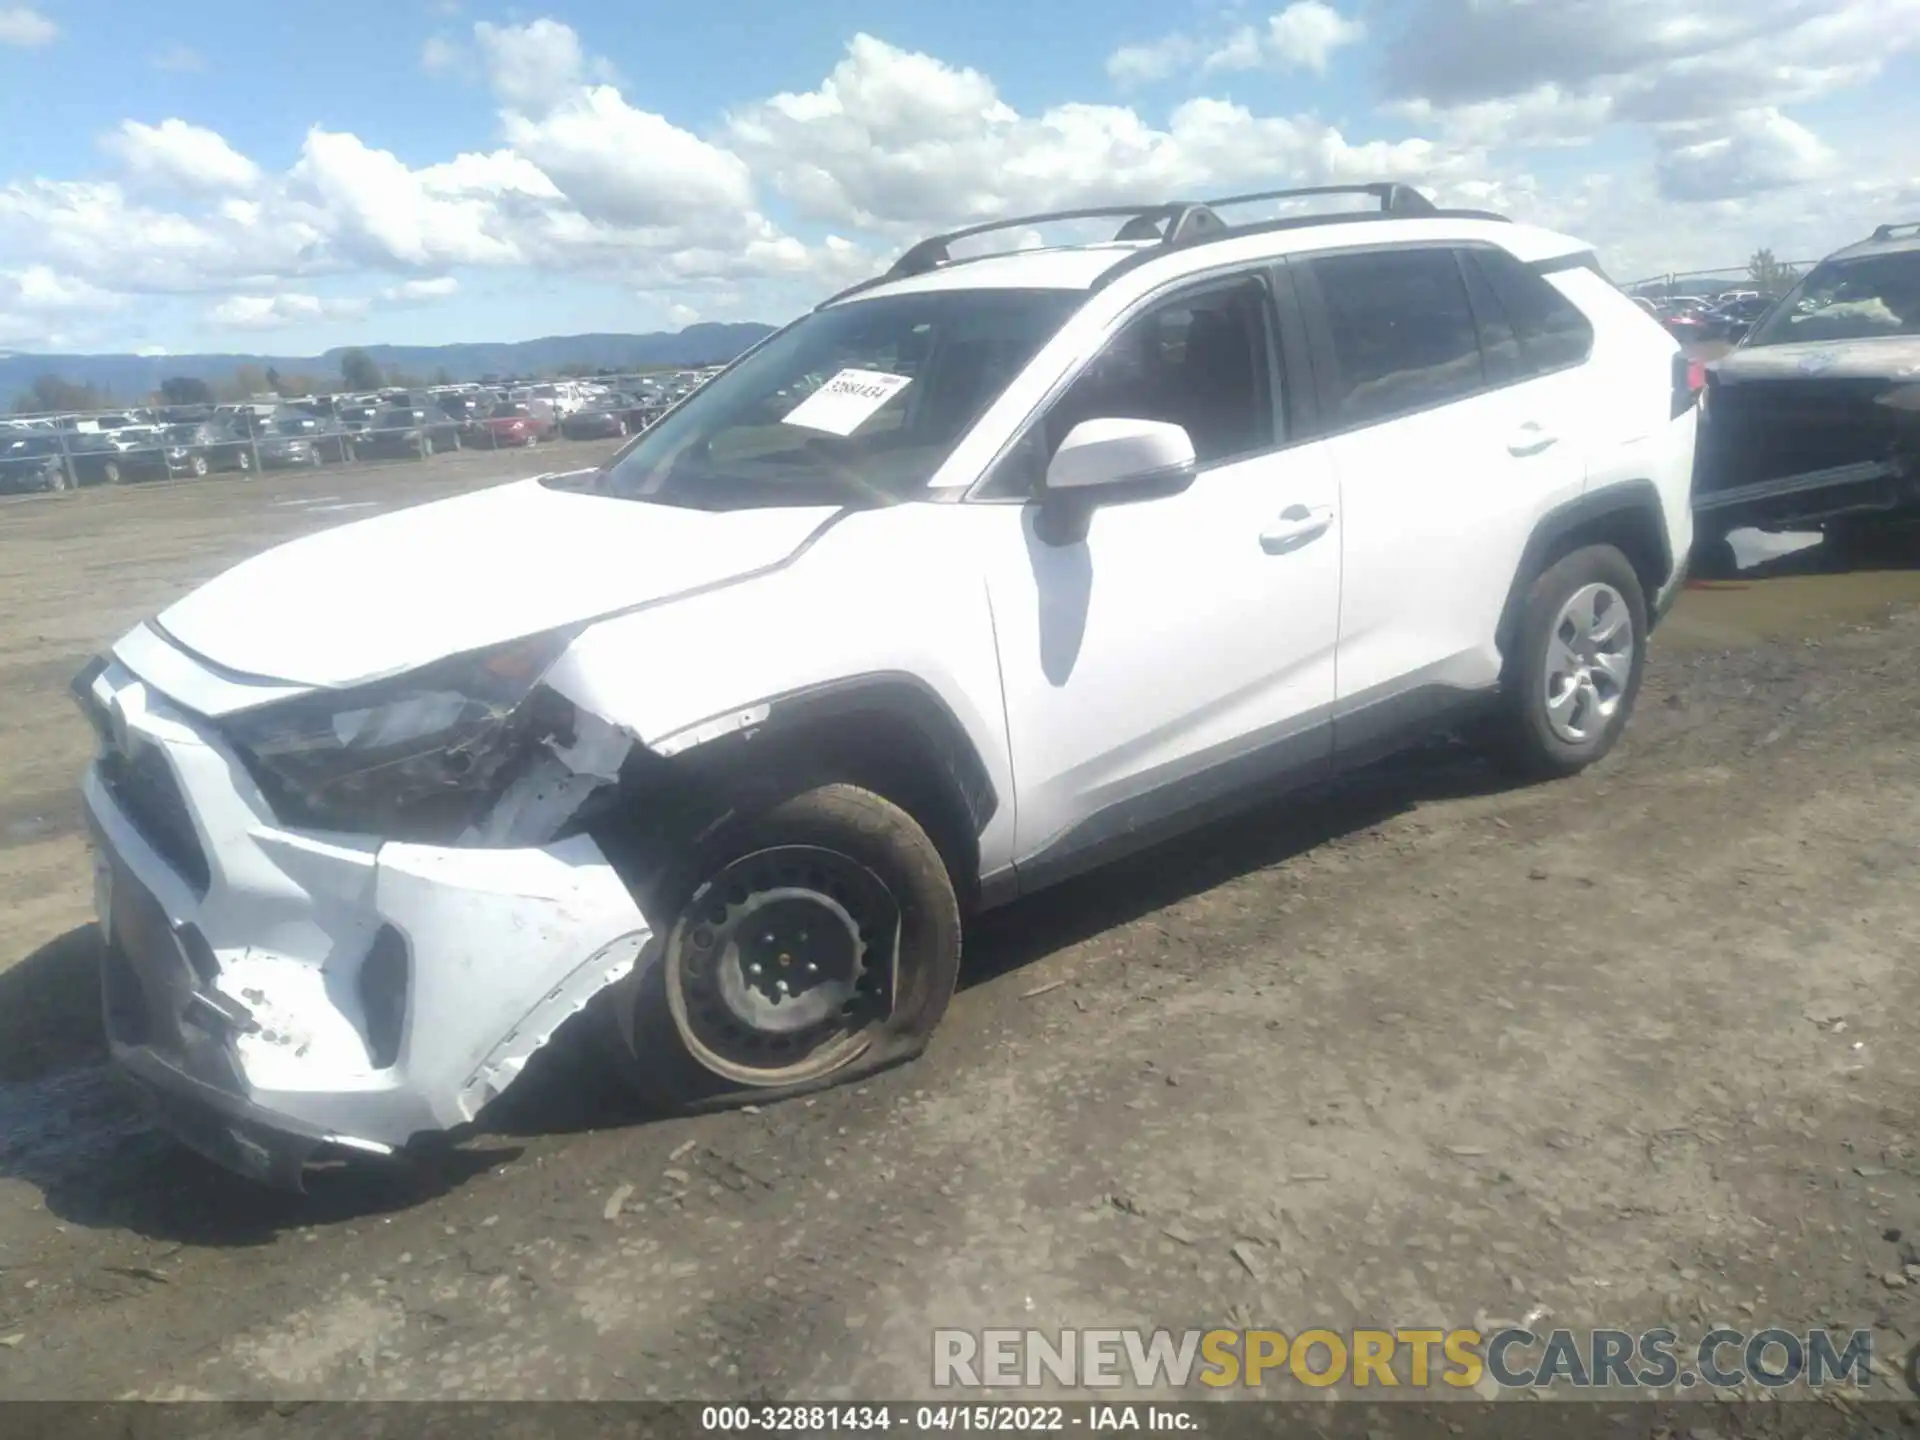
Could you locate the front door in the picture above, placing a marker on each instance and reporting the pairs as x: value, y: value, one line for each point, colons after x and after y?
x: 1182, y: 652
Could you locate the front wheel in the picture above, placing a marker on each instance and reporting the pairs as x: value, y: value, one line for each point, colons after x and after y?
x: 1574, y: 671
x: 110, y: 472
x: 425, y: 447
x: 819, y: 941
x: 198, y: 465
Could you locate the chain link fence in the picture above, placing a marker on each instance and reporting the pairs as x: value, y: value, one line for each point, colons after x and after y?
x: 68, y: 450
x: 1710, y: 283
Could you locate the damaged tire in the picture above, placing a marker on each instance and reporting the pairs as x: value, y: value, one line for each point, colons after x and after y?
x: 810, y: 943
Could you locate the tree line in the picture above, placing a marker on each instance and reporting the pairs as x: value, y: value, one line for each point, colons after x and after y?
x: 358, y: 371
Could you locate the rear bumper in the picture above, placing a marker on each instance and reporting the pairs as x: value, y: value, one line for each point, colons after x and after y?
x: 272, y: 991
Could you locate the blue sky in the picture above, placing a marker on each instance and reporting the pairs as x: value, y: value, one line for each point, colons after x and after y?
x: 221, y: 175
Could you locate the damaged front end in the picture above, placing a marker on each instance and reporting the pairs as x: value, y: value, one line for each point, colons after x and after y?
x: 346, y: 919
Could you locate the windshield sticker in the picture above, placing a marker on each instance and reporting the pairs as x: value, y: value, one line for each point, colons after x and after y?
x: 847, y: 401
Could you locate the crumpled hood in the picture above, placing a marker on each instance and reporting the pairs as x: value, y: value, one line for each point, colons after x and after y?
x: 1893, y: 357
x: 387, y: 594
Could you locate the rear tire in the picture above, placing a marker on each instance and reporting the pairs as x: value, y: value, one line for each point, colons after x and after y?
x: 110, y: 472
x: 1574, y: 672
x: 769, y: 967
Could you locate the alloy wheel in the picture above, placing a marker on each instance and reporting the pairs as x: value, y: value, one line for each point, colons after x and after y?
x: 1589, y: 662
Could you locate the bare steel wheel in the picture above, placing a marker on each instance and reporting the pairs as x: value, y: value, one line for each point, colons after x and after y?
x: 778, y: 962
x: 1589, y: 661
x: 812, y: 941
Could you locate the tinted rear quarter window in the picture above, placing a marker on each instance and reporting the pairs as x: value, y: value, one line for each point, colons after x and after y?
x: 1552, y: 332
x: 1403, y: 333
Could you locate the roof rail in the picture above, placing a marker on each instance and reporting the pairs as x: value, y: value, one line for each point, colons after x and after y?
x: 1888, y: 232
x: 1176, y: 224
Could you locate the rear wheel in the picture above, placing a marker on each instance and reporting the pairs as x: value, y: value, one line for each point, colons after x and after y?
x: 426, y: 446
x: 243, y: 462
x: 110, y: 472
x: 198, y: 465
x: 818, y: 940
x: 1574, y: 671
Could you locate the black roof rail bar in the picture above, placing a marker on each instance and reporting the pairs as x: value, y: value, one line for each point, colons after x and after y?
x: 1887, y: 232
x: 1177, y: 225
x: 1143, y: 222
x: 1394, y: 198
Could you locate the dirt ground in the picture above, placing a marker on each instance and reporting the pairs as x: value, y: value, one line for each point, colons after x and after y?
x: 1633, y: 1048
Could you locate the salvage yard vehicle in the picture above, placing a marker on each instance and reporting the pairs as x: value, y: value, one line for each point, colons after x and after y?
x: 606, y: 418
x: 1063, y: 552
x: 203, y: 447
x: 31, y: 464
x: 1814, y: 419
x: 519, y: 422
x: 418, y: 431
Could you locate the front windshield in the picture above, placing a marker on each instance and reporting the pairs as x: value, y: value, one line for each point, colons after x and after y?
x: 859, y: 403
x: 1859, y: 299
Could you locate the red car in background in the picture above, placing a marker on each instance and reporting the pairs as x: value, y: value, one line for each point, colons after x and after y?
x: 515, y: 422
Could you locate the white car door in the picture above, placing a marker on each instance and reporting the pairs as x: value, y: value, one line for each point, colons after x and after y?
x: 1184, y: 650
x: 1443, y: 470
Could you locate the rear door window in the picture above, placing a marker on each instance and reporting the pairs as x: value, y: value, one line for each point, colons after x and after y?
x: 1551, y: 331
x: 1402, y: 332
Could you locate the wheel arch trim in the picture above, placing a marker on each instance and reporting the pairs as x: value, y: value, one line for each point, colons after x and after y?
x: 1637, y: 500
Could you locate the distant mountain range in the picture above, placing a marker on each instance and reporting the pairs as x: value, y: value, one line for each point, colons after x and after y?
x: 130, y: 377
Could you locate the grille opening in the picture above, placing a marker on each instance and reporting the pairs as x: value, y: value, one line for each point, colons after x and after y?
x: 382, y: 985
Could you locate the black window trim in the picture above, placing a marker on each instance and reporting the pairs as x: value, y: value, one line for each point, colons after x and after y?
x: 1281, y: 305
x: 1319, y: 330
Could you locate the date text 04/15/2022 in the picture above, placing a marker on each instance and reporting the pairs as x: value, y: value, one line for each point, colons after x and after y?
x: 935, y: 1419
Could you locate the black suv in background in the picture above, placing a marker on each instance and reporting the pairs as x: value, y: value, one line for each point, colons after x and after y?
x: 415, y: 430
x: 1813, y: 419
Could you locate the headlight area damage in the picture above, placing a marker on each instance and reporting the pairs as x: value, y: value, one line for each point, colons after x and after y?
x: 347, y: 920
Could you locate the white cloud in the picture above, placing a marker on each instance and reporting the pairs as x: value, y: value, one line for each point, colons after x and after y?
x: 1761, y: 150
x: 892, y: 137
x: 1655, y: 62
x: 681, y: 316
x: 414, y: 292
x: 1301, y: 37
x: 627, y: 166
x: 277, y: 312
x: 440, y: 54
x: 1155, y: 60
x: 1304, y: 35
x: 26, y: 27
x: 180, y: 59
x: 531, y: 66
x: 575, y: 176
x: 176, y: 155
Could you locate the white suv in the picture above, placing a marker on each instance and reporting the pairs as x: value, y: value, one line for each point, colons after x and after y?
x: 974, y: 577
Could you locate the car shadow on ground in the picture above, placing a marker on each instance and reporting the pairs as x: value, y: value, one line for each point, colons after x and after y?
x: 1257, y: 839
x: 70, y: 1130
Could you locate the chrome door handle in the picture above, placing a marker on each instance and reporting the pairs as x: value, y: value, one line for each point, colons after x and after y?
x: 1297, y: 525
x: 1530, y: 439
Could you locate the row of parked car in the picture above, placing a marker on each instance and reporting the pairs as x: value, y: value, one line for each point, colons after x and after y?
x: 184, y: 441
x: 1698, y: 319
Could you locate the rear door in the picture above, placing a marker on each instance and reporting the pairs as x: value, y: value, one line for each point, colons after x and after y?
x: 1444, y: 467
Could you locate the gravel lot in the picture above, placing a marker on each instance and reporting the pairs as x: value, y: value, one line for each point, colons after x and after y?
x: 1636, y: 1047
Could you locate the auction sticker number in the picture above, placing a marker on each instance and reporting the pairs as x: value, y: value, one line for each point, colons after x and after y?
x: 847, y: 401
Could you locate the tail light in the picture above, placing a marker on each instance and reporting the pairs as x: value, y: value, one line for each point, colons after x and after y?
x: 1689, y: 379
